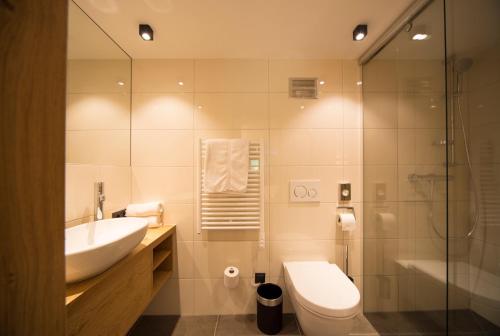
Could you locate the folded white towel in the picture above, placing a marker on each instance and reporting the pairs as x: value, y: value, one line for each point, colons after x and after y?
x: 154, y: 221
x: 144, y: 209
x: 226, y: 165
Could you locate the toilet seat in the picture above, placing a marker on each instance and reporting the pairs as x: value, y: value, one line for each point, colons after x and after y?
x: 323, y: 288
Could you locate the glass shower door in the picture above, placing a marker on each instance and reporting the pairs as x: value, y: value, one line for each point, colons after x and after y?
x: 405, y: 180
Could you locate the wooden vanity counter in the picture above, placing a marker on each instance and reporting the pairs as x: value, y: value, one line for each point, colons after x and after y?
x: 110, y: 303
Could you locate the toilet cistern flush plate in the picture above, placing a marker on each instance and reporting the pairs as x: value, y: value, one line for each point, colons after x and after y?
x: 305, y: 190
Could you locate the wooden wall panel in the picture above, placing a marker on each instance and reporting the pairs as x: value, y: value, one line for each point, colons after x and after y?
x: 32, y: 122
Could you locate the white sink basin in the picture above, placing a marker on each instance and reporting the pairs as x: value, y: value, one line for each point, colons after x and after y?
x: 93, y: 247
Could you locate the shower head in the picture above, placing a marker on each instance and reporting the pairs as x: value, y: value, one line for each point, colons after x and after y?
x: 463, y: 64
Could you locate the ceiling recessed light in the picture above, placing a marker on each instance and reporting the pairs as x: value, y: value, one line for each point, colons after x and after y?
x: 420, y: 37
x: 360, y: 32
x: 180, y: 83
x: 322, y: 82
x: 358, y: 83
x: 121, y: 83
x: 146, y: 32
x: 302, y: 107
x: 200, y: 107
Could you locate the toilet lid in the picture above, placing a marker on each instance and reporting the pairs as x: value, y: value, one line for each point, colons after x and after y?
x: 323, y: 288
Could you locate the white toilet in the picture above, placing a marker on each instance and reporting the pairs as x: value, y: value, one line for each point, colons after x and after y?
x: 325, y: 300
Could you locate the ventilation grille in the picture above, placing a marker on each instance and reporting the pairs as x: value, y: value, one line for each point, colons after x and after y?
x: 303, y: 88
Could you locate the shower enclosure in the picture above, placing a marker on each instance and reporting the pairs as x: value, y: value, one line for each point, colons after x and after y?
x: 431, y: 234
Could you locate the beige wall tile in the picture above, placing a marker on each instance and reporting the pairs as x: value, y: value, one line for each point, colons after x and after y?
x: 353, y: 175
x: 380, y: 183
x: 383, y: 73
x: 381, y: 220
x: 430, y: 248
x: 406, y: 146
x: 324, y: 112
x: 166, y: 184
x: 231, y: 111
x: 351, y: 76
x: 213, y: 75
x: 182, y: 216
x: 212, y: 257
x: 94, y: 111
x: 296, y: 147
x: 116, y: 186
x: 162, y: 75
x: 380, y: 256
x: 162, y: 111
x: 79, y: 194
x: 353, y: 154
x: 99, y: 147
x: 426, y: 150
x: 406, y: 219
x: 303, y: 221
x: 162, y: 148
x: 380, y: 110
x: 428, y: 71
x: 184, y: 260
x: 98, y: 76
x: 380, y: 147
x: 211, y: 297
x: 353, y: 110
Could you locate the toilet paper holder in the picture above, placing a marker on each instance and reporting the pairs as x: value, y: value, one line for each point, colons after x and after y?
x: 348, y: 208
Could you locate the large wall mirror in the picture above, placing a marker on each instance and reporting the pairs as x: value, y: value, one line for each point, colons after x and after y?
x: 97, y: 119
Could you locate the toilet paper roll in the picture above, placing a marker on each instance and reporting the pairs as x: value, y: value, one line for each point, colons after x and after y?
x: 385, y: 221
x: 347, y: 221
x: 231, y: 277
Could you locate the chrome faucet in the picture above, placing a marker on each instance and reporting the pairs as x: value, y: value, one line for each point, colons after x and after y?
x: 99, y: 199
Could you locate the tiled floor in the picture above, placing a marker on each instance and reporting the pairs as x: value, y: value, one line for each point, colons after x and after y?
x: 462, y: 323
x: 423, y: 323
x: 223, y: 325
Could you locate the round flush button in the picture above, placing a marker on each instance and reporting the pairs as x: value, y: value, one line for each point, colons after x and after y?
x: 300, y: 191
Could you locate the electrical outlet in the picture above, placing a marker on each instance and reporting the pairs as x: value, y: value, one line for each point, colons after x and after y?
x: 260, y: 278
x: 119, y: 213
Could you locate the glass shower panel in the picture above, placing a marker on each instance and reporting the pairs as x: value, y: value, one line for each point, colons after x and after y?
x: 405, y: 180
x: 473, y: 58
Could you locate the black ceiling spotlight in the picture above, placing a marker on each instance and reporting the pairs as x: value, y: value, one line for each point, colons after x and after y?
x: 146, y: 32
x: 360, y: 32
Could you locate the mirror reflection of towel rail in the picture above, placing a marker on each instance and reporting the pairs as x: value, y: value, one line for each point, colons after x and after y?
x: 428, y: 177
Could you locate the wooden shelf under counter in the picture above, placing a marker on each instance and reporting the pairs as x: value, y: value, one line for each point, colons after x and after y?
x: 110, y: 303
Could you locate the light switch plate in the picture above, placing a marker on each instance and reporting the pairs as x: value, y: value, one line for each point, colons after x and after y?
x: 305, y: 190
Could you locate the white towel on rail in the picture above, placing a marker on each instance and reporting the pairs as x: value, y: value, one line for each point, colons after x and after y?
x: 226, y: 165
x: 144, y: 209
x: 154, y: 221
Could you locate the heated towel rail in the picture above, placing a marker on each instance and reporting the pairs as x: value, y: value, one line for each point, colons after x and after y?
x: 233, y: 211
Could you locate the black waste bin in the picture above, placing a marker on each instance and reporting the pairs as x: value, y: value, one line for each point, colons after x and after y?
x: 269, y: 308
